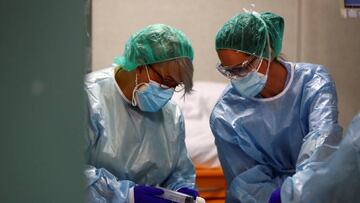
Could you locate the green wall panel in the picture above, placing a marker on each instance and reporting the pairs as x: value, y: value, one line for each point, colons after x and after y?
x: 42, y: 112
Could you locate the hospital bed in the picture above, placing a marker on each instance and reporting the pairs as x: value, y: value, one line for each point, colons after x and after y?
x: 199, y: 140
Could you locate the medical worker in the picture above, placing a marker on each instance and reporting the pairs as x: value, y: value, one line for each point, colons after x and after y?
x: 136, y: 137
x: 276, y: 119
x: 337, y: 179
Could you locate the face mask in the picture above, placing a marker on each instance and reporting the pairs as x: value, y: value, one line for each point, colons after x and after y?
x: 150, y: 97
x: 252, y: 84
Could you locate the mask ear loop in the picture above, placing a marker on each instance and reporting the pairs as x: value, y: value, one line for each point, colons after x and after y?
x: 137, y: 85
x: 269, y: 60
x: 257, y: 69
x: 269, y: 51
x: 147, y: 72
x: 133, y: 100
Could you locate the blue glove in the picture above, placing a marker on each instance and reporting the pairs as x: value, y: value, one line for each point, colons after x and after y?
x: 148, y: 194
x: 275, y: 196
x: 189, y: 191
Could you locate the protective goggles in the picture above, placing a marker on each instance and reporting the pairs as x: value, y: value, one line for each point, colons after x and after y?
x: 239, y: 70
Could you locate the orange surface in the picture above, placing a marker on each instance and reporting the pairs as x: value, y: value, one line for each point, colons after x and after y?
x: 215, y: 200
x: 211, y: 184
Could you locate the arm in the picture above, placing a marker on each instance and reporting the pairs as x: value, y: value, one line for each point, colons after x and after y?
x: 344, y: 169
x: 183, y: 175
x: 102, y: 186
x: 320, y: 142
x: 247, y: 180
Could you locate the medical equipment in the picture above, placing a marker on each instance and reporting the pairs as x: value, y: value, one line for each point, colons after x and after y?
x: 175, y: 196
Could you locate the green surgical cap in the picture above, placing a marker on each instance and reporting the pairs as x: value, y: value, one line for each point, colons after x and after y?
x: 154, y: 44
x: 247, y: 32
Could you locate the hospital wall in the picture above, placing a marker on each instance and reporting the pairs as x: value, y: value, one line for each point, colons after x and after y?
x: 329, y: 39
x: 315, y: 32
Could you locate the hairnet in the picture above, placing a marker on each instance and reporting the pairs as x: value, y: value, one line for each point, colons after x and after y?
x: 153, y: 44
x: 247, y: 32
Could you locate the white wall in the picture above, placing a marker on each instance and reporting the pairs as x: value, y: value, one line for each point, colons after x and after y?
x: 329, y: 39
x: 314, y: 32
x: 114, y: 21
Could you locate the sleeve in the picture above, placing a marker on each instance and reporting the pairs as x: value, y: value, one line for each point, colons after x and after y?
x: 102, y: 186
x: 183, y: 174
x: 247, y: 180
x: 338, y: 179
x: 322, y: 139
x: 93, y: 128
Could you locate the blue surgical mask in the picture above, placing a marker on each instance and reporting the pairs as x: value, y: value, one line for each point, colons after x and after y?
x: 150, y: 97
x: 251, y: 84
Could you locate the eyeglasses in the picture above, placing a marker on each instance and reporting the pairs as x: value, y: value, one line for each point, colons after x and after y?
x: 167, y: 82
x: 239, y: 70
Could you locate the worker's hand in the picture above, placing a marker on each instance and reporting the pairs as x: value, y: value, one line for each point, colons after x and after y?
x: 148, y: 194
x: 189, y: 191
x: 275, y: 196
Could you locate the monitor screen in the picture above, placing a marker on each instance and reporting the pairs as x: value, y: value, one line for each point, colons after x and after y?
x: 352, y: 3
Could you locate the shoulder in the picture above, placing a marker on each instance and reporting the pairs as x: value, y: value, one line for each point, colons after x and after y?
x: 229, y: 94
x: 100, y: 81
x: 98, y: 77
x: 174, y: 120
x: 315, y: 80
x: 172, y: 110
x: 313, y: 75
x: 227, y: 100
x: 313, y: 70
x: 99, y: 84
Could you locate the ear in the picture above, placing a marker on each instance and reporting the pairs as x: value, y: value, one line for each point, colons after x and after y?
x: 139, y: 69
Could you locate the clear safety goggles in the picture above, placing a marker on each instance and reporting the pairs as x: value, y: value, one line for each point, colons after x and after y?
x: 239, y: 70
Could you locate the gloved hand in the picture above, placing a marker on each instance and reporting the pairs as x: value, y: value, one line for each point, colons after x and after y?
x: 148, y: 194
x: 275, y: 196
x: 189, y: 191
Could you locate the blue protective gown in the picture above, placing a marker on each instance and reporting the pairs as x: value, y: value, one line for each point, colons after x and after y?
x: 126, y: 146
x: 263, y: 141
x: 337, y: 179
